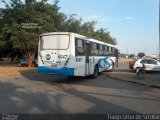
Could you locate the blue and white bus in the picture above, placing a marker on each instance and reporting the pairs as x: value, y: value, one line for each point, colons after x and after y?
x: 71, y: 54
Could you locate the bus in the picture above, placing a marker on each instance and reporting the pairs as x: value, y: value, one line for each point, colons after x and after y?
x: 71, y: 54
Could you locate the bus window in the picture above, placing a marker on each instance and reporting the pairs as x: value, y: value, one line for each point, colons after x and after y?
x: 111, y: 49
x: 95, y: 48
x: 92, y: 49
x: 54, y: 42
x: 111, y: 53
x: 79, y: 44
x: 106, y: 50
x: 100, y: 49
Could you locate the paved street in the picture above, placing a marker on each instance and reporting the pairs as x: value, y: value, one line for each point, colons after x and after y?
x: 36, y: 93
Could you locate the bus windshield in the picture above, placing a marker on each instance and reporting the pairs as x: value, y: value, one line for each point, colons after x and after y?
x: 50, y: 42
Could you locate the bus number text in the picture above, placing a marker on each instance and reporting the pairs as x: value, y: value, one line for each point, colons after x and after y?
x: 78, y: 59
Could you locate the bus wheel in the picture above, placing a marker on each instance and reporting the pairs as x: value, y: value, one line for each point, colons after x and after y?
x: 71, y: 77
x: 111, y: 67
x: 96, y: 71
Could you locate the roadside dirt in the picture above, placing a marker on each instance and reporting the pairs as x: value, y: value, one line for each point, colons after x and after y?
x: 123, y: 60
x: 10, y: 71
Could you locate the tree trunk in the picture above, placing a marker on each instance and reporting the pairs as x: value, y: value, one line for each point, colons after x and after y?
x: 30, y: 57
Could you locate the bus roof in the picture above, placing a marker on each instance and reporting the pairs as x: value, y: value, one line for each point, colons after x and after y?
x: 79, y: 36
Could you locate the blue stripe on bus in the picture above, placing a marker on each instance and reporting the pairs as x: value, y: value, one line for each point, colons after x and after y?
x: 62, y: 71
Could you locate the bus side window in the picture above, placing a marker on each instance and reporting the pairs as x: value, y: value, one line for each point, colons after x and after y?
x: 113, y: 52
x: 100, y: 49
x: 106, y: 50
x: 79, y: 47
x: 110, y: 51
x: 94, y: 49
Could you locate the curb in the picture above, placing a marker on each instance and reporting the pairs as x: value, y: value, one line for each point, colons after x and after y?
x: 135, y: 82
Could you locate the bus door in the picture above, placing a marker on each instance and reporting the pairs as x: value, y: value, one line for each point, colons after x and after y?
x: 87, y: 53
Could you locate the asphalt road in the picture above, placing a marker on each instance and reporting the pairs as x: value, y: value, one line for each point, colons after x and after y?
x: 37, y: 93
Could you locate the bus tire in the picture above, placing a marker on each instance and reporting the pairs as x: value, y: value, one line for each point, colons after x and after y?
x: 96, y: 71
x: 112, y: 67
x: 71, y: 77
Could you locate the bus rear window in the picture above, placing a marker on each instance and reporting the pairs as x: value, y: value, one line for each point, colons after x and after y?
x: 50, y: 42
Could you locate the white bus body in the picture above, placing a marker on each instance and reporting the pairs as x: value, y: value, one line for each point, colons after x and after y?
x: 71, y: 54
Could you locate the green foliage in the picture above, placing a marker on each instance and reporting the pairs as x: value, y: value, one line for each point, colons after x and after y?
x: 74, y: 24
x: 141, y: 54
x: 131, y: 55
x: 21, y: 23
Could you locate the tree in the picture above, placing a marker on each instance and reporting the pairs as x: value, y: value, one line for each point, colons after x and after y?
x: 74, y: 24
x: 131, y: 55
x: 141, y: 54
x: 21, y: 23
x: 103, y: 35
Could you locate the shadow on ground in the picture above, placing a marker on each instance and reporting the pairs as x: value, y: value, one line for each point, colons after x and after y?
x: 19, y: 99
x: 85, y: 81
x: 123, y: 70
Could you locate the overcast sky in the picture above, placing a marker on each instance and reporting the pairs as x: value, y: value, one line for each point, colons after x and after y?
x: 134, y: 23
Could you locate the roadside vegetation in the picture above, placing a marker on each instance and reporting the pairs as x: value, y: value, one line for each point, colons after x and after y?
x: 22, y: 22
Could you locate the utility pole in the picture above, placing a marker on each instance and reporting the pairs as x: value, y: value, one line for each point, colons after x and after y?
x: 127, y: 49
x: 145, y: 51
x: 159, y: 29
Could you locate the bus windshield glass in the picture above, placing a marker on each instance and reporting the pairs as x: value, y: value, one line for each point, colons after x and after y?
x: 50, y: 42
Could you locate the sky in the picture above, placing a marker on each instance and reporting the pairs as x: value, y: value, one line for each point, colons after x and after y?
x: 134, y: 23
